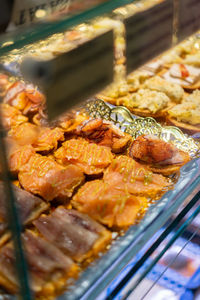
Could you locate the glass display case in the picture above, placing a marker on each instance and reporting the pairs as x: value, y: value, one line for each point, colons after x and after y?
x: 111, y: 74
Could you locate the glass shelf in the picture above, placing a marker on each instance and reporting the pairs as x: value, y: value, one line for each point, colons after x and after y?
x: 22, y: 37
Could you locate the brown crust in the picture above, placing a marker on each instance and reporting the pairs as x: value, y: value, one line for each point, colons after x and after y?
x: 187, y: 128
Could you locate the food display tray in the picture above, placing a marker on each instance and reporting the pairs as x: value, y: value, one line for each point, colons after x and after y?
x: 101, y: 272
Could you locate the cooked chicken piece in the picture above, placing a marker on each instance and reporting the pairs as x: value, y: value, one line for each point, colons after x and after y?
x: 109, y: 204
x: 91, y: 158
x: 43, y: 176
x: 137, y: 178
x: 73, y: 233
x: 49, y: 268
x: 156, y: 152
x: 104, y: 133
x: 11, y: 116
x: 41, y: 138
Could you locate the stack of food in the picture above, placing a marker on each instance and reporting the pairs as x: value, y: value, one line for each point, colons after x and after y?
x: 75, y: 181
x: 166, y: 88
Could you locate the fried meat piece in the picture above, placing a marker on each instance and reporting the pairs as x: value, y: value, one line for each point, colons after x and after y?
x: 91, y: 158
x: 109, y: 204
x: 163, y: 157
x: 44, y: 177
x: 41, y: 138
x: 29, y: 206
x: 104, y: 133
x: 48, y: 266
x: 11, y: 116
x: 73, y: 233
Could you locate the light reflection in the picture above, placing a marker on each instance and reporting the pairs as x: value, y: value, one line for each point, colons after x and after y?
x: 40, y: 13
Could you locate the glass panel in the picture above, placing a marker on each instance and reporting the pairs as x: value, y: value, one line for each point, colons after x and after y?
x: 22, y: 37
x: 97, y: 277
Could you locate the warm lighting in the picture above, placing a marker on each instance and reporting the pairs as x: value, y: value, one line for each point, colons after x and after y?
x: 40, y: 13
x: 7, y: 43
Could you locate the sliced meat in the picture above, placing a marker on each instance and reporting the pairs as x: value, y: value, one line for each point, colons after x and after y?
x: 91, y: 158
x: 48, y: 139
x: 48, y: 266
x: 18, y: 156
x: 44, y: 177
x: 73, y: 232
x: 29, y: 206
x: 11, y: 116
x: 24, y: 134
x: 138, y: 179
x: 110, y: 204
x: 41, y: 138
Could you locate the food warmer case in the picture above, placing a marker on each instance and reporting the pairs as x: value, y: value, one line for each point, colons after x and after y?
x: 99, y: 143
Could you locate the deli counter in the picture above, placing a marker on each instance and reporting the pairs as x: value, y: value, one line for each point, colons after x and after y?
x: 99, y: 146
